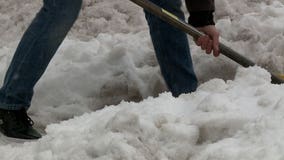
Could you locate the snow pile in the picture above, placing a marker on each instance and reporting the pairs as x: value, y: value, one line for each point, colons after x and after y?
x: 96, y: 73
x: 238, y: 119
x: 108, y: 57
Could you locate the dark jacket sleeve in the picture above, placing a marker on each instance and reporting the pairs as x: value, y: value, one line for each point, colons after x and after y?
x: 201, y: 12
x: 200, y: 5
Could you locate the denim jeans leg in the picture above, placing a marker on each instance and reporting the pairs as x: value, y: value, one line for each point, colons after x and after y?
x: 35, y: 50
x: 172, y: 50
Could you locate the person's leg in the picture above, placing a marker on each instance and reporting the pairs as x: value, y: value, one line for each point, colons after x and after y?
x: 172, y: 50
x: 34, y: 52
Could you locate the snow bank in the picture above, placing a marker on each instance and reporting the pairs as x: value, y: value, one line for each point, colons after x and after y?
x: 108, y: 57
x: 238, y: 119
x: 96, y: 73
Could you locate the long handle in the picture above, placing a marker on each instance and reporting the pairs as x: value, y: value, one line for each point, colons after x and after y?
x: 182, y: 25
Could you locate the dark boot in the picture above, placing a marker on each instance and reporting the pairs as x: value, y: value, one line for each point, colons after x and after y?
x: 17, y: 124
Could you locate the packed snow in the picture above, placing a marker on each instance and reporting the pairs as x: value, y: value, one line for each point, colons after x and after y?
x: 103, y: 97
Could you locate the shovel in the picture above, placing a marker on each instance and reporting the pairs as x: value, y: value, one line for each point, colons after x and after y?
x: 182, y: 25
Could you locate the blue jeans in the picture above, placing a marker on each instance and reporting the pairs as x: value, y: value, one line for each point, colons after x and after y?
x: 49, y: 28
x: 172, y: 50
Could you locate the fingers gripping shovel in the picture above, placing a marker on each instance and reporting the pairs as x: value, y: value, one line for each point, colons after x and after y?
x: 182, y: 25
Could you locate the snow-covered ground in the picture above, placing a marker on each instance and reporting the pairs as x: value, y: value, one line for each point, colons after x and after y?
x: 108, y: 57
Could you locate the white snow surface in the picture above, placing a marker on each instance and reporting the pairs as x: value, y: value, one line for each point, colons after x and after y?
x: 108, y: 61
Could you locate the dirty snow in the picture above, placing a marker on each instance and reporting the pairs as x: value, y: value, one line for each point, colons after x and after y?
x: 108, y: 59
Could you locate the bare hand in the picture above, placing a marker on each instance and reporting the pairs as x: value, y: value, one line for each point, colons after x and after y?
x: 209, y: 42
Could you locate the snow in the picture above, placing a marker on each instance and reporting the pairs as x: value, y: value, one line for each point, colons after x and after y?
x: 108, y: 59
